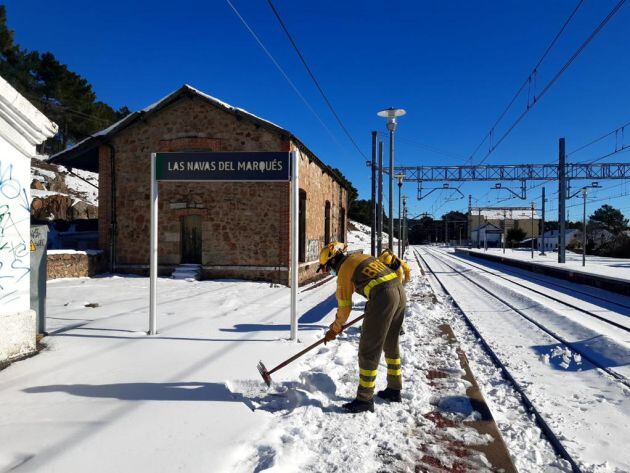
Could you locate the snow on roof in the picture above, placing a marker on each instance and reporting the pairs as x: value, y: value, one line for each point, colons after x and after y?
x: 513, y: 213
x: 62, y: 156
x: 225, y: 105
x: 158, y: 104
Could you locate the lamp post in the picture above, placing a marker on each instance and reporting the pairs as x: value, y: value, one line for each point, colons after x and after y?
x: 391, y: 114
x: 404, y: 233
x: 542, y: 230
x: 504, y: 230
x: 532, y: 232
x: 400, y: 178
x: 584, y: 193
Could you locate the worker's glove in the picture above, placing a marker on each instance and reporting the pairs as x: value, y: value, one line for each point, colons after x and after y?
x: 330, y: 336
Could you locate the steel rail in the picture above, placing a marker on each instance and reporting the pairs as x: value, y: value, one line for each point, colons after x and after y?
x: 622, y: 379
x: 515, y: 272
x: 553, y: 439
x: 568, y: 304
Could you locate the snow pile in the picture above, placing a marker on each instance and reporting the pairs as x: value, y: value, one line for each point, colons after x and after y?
x: 310, y: 432
x: 74, y: 252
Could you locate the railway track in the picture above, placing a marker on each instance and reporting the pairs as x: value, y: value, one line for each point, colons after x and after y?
x: 555, y: 299
x: 620, y: 378
x: 553, y: 438
x: 548, y: 281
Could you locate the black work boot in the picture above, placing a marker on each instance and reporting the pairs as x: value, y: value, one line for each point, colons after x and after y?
x: 389, y: 394
x: 358, y: 405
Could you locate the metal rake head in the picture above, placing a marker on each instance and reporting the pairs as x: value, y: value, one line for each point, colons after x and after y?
x: 264, y: 373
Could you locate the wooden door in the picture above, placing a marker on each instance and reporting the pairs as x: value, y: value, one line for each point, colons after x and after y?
x: 191, y: 239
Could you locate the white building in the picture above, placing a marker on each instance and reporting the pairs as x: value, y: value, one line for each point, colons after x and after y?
x: 487, y: 234
x: 551, y: 239
x: 505, y: 218
x: 22, y: 128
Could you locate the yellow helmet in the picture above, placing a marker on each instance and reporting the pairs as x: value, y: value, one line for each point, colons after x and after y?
x: 328, y: 252
x: 386, y: 257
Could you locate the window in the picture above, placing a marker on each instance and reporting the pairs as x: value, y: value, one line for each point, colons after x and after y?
x: 327, y: 223
x: 302, y: 228
x: 342, y: 225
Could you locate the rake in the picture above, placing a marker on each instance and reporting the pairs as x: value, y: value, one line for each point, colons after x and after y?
x: 266, y: 374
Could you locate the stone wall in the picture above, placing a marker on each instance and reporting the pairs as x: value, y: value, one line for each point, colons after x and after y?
x: 75, y: 264
x: 245, y: 226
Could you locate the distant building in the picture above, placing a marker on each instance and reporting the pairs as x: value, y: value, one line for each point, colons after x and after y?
x: 552, y: 236
x: 229, y: 229
x: 487, y: 234
x: 504, y: 218
x: 22, y: 128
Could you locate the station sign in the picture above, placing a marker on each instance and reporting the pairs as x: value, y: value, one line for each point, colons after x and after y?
x: 223, y: 167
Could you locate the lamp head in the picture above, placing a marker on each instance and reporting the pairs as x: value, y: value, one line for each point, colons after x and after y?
x: 391, y: 114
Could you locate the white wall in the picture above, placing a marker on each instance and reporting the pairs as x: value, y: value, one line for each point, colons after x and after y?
x: 14, y: 229
x: 22, y: 127
x: 17, y: 320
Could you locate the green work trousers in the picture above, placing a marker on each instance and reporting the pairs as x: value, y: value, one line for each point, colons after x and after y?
x: 384, y: 313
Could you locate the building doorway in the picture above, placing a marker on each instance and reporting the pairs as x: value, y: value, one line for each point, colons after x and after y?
x: 191, y: 239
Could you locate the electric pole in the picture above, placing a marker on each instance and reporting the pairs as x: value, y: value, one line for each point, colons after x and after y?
x: 562, y: 195
x: 379, y: 211
x: 542, y: 230
x: 373, y: 209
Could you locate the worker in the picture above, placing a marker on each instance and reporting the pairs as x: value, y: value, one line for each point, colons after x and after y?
x: 384, y: 311
x: 396, y: 264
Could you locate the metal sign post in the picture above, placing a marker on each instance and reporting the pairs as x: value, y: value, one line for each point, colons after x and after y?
x: 224, y: 167
x: 295, y: 238
x: 153, y: 252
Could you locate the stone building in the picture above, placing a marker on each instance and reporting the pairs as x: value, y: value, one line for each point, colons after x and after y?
x: 233, y: 230
x: 22, y: 128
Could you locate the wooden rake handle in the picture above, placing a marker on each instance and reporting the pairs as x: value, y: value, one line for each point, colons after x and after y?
x: 310, y: 347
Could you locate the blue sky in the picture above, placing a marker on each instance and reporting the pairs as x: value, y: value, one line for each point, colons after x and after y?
x: 452, y: 65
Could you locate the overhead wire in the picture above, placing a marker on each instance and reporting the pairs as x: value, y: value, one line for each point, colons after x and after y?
x: 597, y: 140
x: 555, y: 78
x: 312, y: 76
x: 281, y: 70
x: 527, y: 81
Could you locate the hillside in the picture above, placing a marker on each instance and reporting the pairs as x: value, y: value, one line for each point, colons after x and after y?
x: 58, y: 193
x: 359, y: 236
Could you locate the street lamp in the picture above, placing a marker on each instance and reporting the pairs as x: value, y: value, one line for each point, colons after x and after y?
x: 400, y: 178
x: 404, y: 233
x: 532, y: 224
x: 584, y: 193
x: 391, y: 114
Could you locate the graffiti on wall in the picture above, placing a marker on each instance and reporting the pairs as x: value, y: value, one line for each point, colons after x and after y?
x: 312, y: 250
x: 14, y: 238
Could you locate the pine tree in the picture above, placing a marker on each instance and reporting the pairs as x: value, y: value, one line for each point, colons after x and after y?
x: 61, y: 94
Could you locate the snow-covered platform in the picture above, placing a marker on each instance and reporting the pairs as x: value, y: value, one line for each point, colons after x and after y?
x: 104, y: 396
x: 612, y: 274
